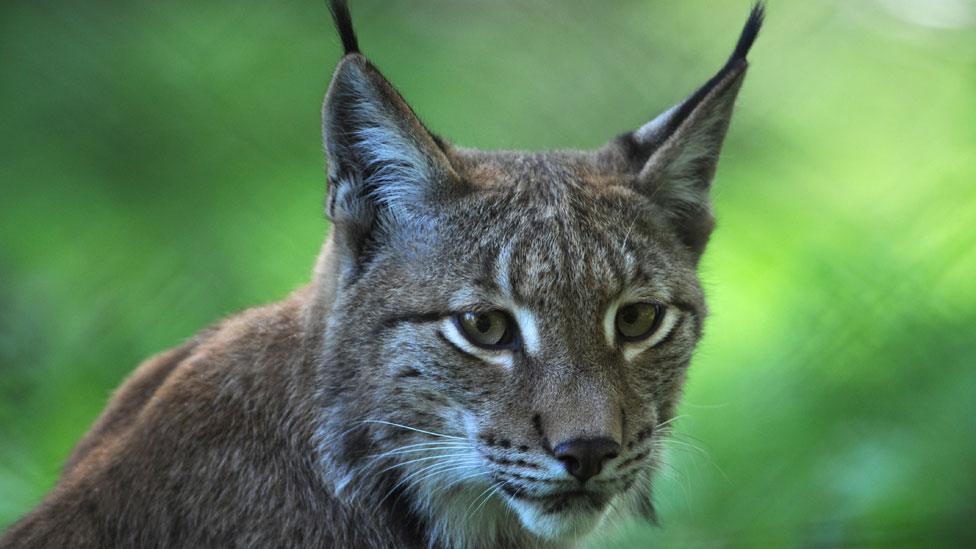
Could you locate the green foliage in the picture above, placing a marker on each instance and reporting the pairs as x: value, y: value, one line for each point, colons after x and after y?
x: 161, y: 167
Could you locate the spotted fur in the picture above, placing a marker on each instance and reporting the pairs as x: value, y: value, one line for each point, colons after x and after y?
x: 353, y: 414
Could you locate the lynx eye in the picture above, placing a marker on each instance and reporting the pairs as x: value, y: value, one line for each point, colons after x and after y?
x: 490, y: 330
x: 638, y: 321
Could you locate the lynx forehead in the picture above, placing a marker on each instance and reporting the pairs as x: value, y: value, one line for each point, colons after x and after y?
x: 490, y: 353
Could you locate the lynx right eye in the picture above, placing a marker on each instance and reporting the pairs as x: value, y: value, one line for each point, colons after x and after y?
x: 489, y: 330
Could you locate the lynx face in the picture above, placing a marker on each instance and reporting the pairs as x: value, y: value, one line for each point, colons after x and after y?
x: 510, y: 330
x: 545, y: 325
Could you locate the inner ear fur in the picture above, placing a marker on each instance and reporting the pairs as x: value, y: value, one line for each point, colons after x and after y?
x: 375, y: 141
x: 386, y: 170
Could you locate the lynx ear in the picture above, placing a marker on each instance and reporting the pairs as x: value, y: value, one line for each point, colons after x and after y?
x: 385, y: 167
x: 377, y: 147
x: 675, y: 154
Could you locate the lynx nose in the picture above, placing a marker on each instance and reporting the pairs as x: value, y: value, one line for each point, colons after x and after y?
x: 584, y: 457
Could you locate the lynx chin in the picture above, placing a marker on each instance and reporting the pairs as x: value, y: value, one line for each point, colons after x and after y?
x: 490, y: 352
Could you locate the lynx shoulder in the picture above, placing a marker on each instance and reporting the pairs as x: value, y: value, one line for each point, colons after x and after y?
x: 489, y: 353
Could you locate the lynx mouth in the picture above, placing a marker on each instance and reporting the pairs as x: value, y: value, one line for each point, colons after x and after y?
x: 561, y: 516
x: 550, y: 504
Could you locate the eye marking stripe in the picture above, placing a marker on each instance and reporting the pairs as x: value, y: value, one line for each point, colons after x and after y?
x: 502, y: 267
x: 609, y: 319
x: 445, y: 339
x: 423, y: 317
x: 671, y: 331
x: 685, y: 307
x: 528, y: 329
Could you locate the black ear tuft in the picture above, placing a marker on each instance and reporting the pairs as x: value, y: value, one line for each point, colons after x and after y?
x: 749, y: 33
x: 735, y: 62
x: 343, y: 23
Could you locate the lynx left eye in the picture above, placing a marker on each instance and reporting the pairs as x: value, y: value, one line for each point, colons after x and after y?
x: 638, y: 321
x: 490, y: 330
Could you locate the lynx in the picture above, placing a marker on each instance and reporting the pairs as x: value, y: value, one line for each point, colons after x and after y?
x: 490, y: 352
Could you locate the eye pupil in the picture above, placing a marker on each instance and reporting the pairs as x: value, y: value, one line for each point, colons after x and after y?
x: 629, y: 315
x: 483, y: 323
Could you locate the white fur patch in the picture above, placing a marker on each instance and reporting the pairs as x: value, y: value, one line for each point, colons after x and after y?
x: 652, y: 129
x: 609, y: 324
x: 564, y: 527
x: 528, y: 328
x: 502, y: 268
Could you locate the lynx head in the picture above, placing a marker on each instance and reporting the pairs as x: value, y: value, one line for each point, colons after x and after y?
x: 509, y: 331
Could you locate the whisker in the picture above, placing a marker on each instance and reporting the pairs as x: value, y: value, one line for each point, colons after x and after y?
x: 472, y: 463
x: 518, y: 488
x: 407, y: 427
x: 672, y: 420
x: 673, y: 442
x: 623, y: 246
x: 685, y: 446
x: 488, y: 497
x: 344, y: 433
x: 407, y: 478
x: 688, y: 436
x: 462, y: 479
x: 402, y: 451
x: 697, y: 450
x: 432, y: 443
x: 478, y: 497
x: 427, y: 458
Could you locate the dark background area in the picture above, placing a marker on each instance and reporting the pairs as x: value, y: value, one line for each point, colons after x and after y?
x: 161, y: 167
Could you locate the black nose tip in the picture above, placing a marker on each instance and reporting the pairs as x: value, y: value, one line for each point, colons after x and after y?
x: 584, y: 457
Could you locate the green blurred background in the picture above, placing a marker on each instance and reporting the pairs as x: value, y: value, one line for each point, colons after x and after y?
x: 161, y: 167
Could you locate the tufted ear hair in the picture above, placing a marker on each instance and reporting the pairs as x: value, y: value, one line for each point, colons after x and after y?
x: 385, y: 167
x: 675, y: 155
